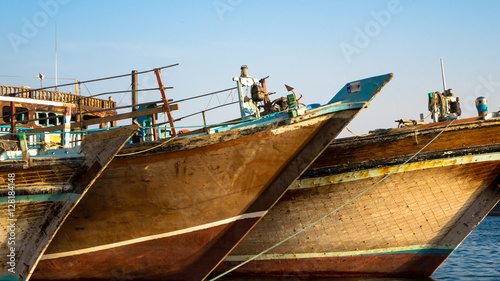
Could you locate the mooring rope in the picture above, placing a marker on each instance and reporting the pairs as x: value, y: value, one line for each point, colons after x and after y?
x: 330, y: 213
x: 151, y: 148
x: 352, y: 132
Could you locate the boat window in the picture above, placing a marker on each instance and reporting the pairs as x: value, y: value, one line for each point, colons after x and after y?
x: 41, y: 115
x: 52, y: 121
x: 21, y: 114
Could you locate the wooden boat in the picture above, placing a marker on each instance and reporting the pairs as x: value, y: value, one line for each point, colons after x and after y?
x: 495, y: 211
x: 396, y: 203
x: 172, y: 209
x: 39, y: 186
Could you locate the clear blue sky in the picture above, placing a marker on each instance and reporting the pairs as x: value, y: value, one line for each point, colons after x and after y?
x: 314, y: 46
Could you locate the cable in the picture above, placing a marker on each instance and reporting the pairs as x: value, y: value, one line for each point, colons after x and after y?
x: 329, y: 214
x: 99, y: 79
x: 151, y: 148
x: 352, y: 132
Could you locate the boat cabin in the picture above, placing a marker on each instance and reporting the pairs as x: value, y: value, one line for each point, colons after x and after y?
x: 24, y: 109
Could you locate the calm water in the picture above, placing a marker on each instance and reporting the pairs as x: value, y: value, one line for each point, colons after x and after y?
x: 478, y: 258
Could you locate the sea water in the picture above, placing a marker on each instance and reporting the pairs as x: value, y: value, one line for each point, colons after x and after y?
x: 477, y: 258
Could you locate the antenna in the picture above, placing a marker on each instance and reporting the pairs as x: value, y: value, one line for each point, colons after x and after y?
x: 56, y: 55
x: 442, y: 74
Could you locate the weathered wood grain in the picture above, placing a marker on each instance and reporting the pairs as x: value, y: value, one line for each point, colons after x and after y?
x: 37, y: 215
x: 181, y: 186
x: 415, y: 217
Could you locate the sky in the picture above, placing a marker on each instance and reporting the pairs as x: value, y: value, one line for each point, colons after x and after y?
x: 314, y: 46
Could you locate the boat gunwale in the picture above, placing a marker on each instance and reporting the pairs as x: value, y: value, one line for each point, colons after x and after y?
x: 395, y: 134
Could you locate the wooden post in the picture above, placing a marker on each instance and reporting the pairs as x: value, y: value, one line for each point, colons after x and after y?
x: 134, y: 93
x: 112, y: 123
x: 13, y: 120
x: 135, y: 138
x: 67, y: 128
x: 165, y: 102
x: 155, y: 130
x: 80, y: 118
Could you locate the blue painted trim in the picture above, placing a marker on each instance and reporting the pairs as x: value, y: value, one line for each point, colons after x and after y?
x: 343, y: 100
x: 71, y: 197
x: 369, y: 88
x: 11, y: 278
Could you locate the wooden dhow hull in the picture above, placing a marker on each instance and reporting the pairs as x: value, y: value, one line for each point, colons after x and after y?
x: 38, y: 193
x: 175, y: 211
x: 405, y: 225
x: 495, y: 211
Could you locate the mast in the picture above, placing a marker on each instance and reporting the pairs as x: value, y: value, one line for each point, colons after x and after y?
x: 442, y: 74
x: 56, y: 54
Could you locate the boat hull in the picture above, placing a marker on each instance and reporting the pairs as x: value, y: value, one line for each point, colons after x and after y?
x: 495, y: 211
x: 37, y: 194
x: 197, y: 203
x: 406, y: 225
x: 197, y: 196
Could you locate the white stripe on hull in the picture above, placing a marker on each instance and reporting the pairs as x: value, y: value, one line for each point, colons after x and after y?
x: 152, y: 237
x: 370, y: 173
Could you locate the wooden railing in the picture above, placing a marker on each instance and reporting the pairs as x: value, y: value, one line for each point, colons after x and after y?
x: 26, y: 92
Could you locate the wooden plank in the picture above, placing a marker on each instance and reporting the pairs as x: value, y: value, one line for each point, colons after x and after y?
x: 44, y: 218
x: 149, y: 111
x: 39, y: 102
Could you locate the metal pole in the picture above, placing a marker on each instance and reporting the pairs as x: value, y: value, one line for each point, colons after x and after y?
x: 134, y: 93
x: 56, y: 54
x: 444, y: 79
x: 240, y: 97
x: 135, y: 138
x: 204, y: 119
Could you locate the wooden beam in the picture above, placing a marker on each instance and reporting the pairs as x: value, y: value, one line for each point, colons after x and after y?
x: 165, y: 101
x: 149, y: 111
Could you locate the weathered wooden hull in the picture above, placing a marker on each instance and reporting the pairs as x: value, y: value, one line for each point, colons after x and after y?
x: 180, y: 211
x: 175, y: 211
x: 406, y: 225
x: 495, y: 211
x: 42, y: 192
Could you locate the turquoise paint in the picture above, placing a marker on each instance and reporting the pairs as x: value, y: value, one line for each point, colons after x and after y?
x: 71, y: 197
x: 369, y: 88
x: 11, y: 278
x: 343, y: 100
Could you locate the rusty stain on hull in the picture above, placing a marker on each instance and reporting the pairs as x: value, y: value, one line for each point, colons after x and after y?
x: 377, y: 172
x: 431, y: 203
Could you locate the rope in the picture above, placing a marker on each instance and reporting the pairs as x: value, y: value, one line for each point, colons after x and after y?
x: 95, y: 80
x: 151, y: 148
x: 88, y: 81
x: 61, y: 132
x: 329, y: 214
x: 228, y: 96
x: 426, y: 116
x: 103, y: 129
x: 352, y: 132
